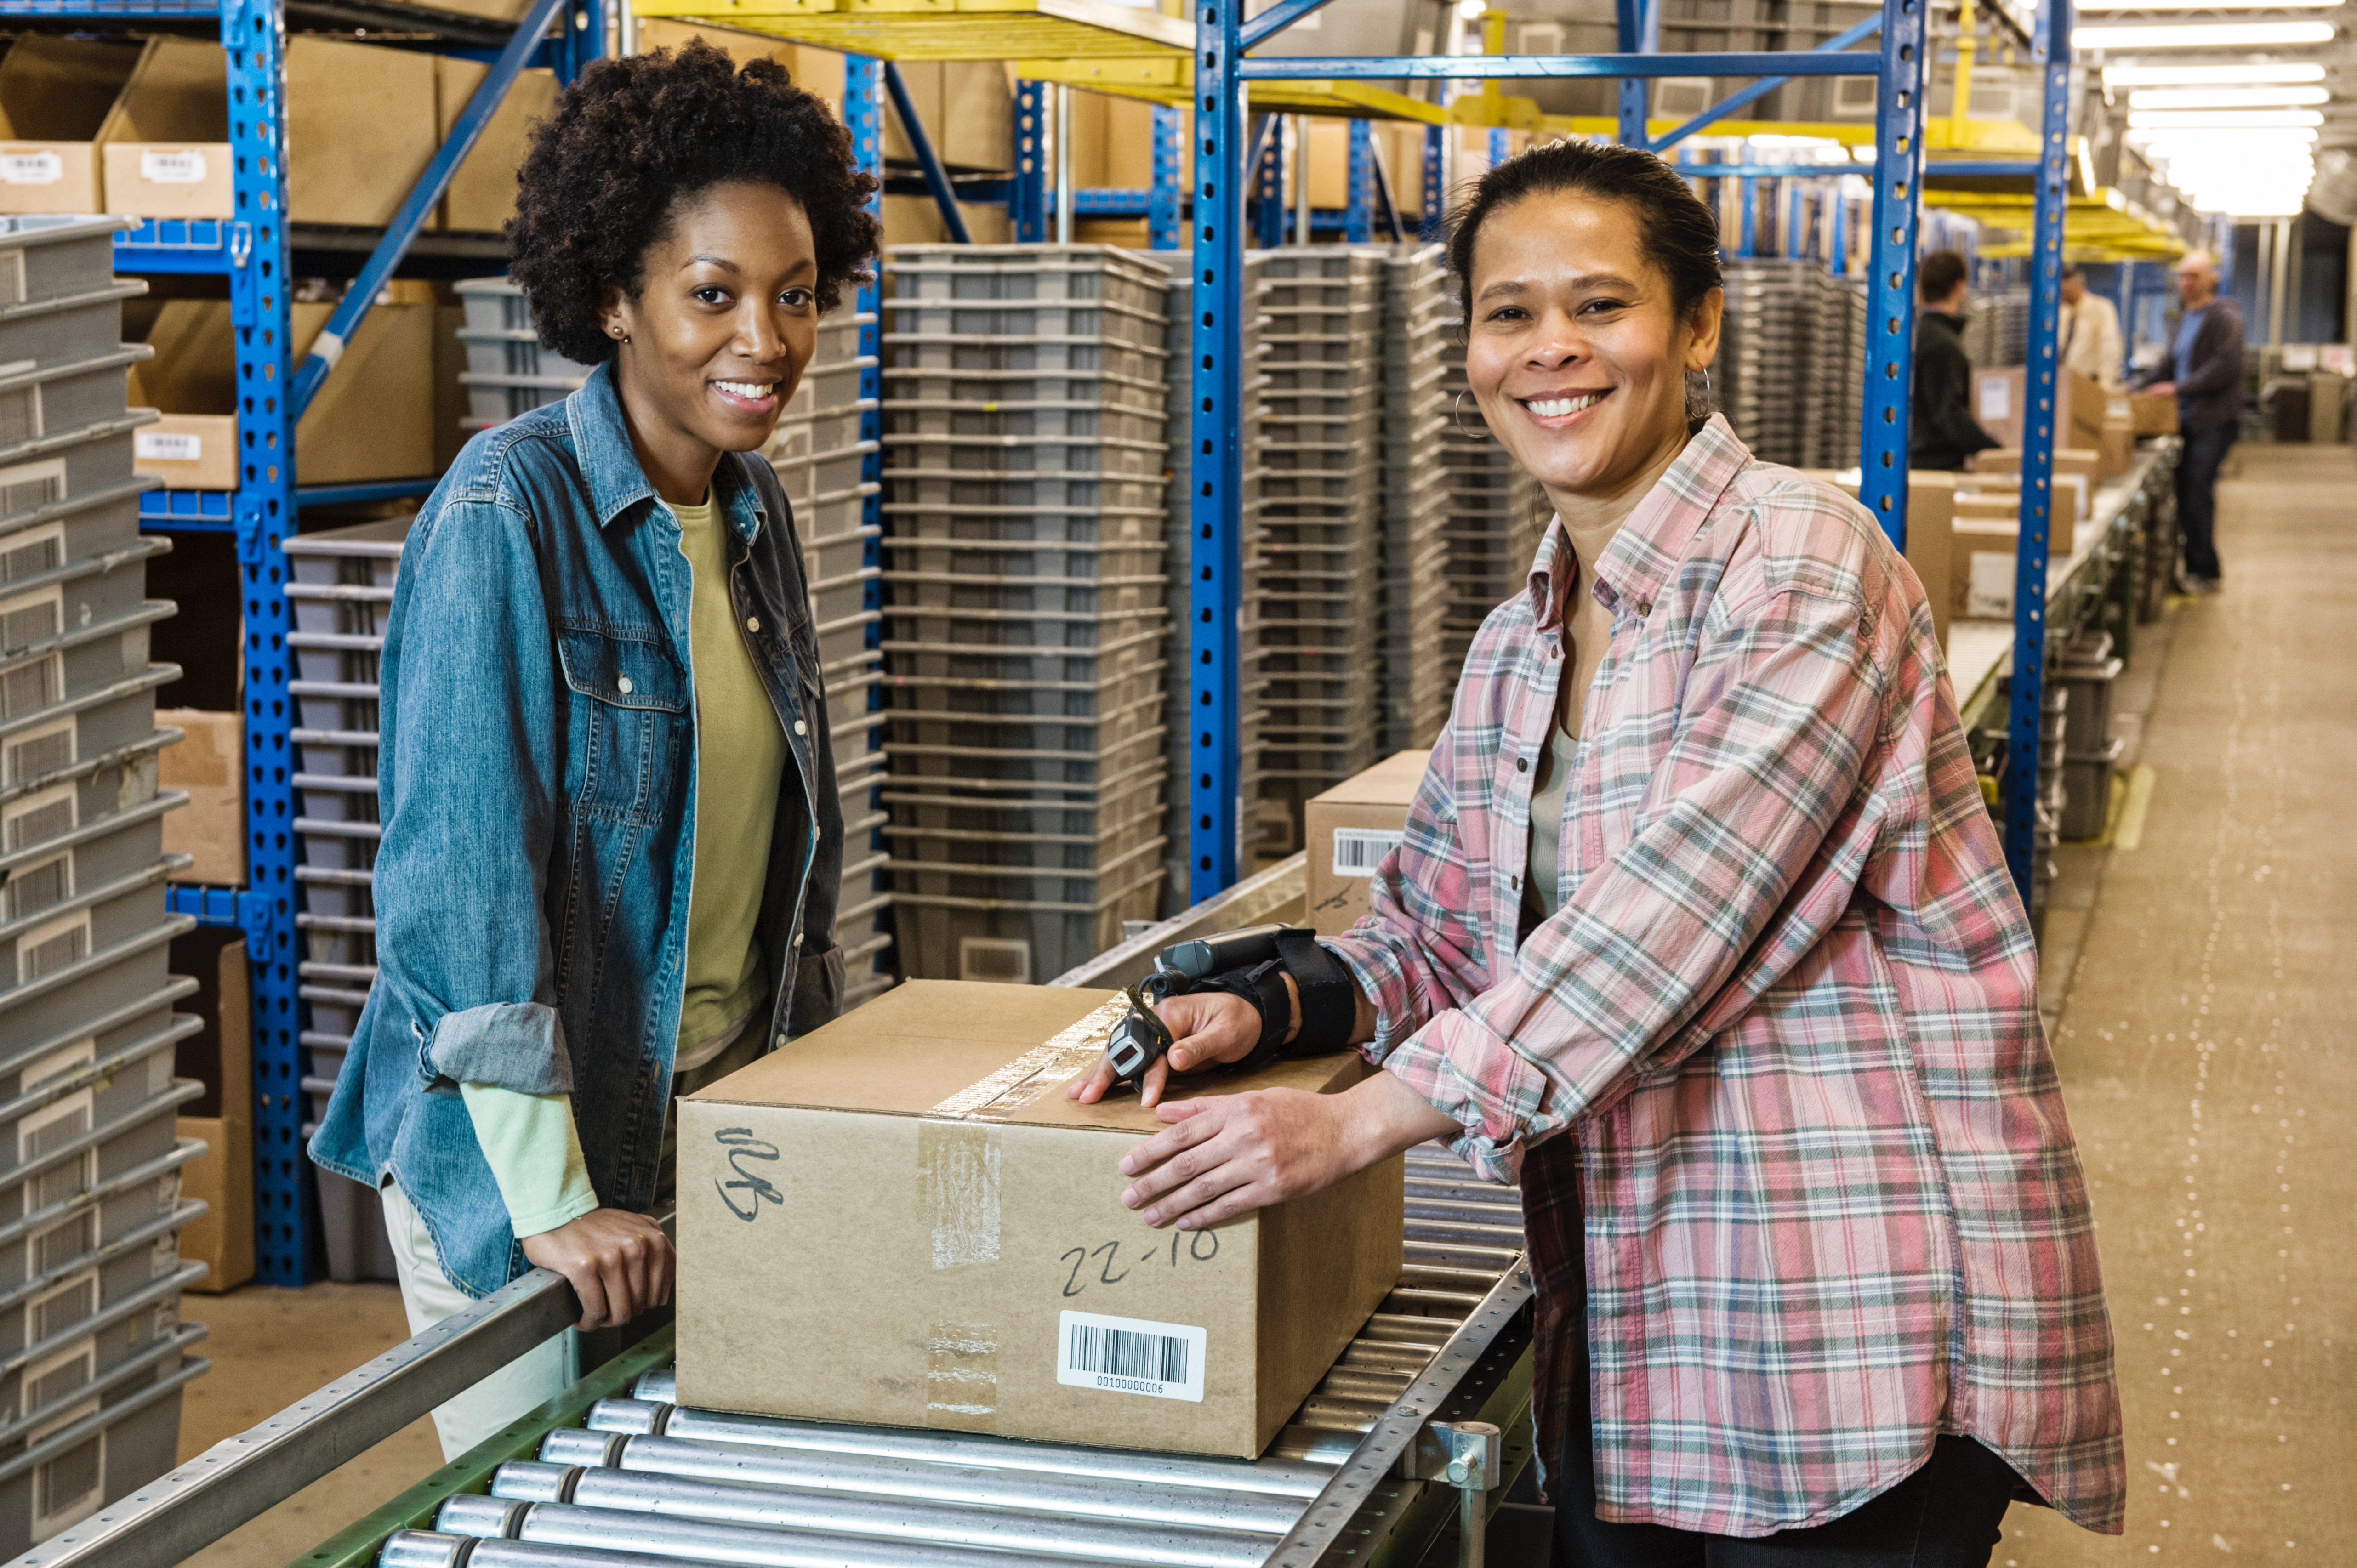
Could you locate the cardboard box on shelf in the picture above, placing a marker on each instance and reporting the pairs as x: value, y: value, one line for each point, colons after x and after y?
x: 208, y: 762
x: 2088, y: 405
x: 1348, y: 830
x: 223, y: 1177
x: 968, y: 110
x: 2153, y: 413
x: 2116, y: 447
x: 361, y: 128
x: 1992, y: 500
x: 916, y: 221
x: 482, y: 193
x: 980, y: 1273
x: 187, y: 451
x: 373, y: 417
x: 165, y: 142
x: 1986, y: 551
x: 55, y: 97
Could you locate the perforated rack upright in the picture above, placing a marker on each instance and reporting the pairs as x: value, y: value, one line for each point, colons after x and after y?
x: 252, y: 251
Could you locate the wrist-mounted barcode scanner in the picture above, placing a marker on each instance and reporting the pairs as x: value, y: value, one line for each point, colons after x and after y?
x: 1251, y: 964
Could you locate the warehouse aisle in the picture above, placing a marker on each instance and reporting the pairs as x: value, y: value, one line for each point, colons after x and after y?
x: 2206, y: 1050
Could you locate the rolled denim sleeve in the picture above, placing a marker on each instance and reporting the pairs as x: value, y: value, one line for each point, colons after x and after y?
x: 470, y: 780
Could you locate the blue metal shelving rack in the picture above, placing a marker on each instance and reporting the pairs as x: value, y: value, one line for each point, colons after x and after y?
x: 251, y: 250
x: 1222, y: 65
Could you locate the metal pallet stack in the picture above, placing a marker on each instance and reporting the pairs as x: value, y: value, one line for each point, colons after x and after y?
x: 89, y: 1163
x: 1418, y: 317
x: 1312, y: 626
x: 1766, y: 375
x: 1841, y: 301
x: 508, y: 372
x: 821, y: 460
x: 1026, y: 516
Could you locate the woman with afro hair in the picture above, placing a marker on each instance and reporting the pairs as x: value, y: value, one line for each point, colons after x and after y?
x: 612, y: 836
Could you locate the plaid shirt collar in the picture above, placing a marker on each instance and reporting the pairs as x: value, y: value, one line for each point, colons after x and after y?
x: 1651, y: 543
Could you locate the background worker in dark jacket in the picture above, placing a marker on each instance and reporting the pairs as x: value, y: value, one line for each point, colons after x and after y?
x: 2204, y: 369
x: 1944, y: 432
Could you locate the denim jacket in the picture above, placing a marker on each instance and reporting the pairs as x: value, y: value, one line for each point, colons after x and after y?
x: 537, y: 789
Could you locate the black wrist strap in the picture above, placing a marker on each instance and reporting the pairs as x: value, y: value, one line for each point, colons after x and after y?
x: 1263, y: 986
x: 1329, y: 999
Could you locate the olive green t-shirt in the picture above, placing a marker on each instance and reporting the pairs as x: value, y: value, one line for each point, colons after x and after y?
x: 737, y: 732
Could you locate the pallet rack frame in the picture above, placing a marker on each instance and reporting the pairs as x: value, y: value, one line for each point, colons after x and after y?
x: 1225, y: 68
x: 252, y: 250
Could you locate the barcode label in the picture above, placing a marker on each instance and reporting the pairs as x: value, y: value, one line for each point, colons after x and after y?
x: 31, y: 168
x: 1357, y: 851
x: 1130, y: 1356
x: 167, y: 446
x: 177, y: 165
x: 1997, y: 399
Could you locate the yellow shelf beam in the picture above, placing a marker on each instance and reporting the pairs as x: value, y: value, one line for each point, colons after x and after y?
x: 947, y: 29
x: 1171, y: 80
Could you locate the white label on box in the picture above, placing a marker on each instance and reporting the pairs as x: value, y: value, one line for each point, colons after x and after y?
x: 167, y: 446
x: 1357, y: 851
x: 1130, y: 1356
x: 31, y: 168
x: 1989, y: 594
x: 171, y: 166
x: 1997, y: 398
x: 2117, y: 408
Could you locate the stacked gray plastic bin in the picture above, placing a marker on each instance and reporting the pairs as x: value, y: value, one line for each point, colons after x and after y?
x: 1487, y: 527
x: 508, y: 372
x: 90, y: 1274
x: 340, y: 597
x: 819, y: 458
x: 1837, y: 380
x: 1996, y: 329
x: 1418, y: 322
x: 1766, y: 369
x: 1026, y: 509
x: 1312, y: 629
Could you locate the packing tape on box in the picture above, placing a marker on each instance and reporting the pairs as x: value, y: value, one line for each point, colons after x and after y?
x: 1036, y: 1071
x: 962, y: 1376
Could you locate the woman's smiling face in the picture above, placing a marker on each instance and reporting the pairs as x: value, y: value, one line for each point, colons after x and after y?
x: 1574, y: 349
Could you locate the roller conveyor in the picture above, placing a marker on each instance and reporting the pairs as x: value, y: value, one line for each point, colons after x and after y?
x: 640, y: 1479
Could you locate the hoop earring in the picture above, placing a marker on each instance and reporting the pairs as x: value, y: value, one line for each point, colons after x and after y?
x: 1456, y: 417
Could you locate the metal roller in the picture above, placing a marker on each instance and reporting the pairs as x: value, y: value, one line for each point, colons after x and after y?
x: 934, y: 1481
x: 1276, y: 1476
x: 1004, y: 1523
x: 433, y: 1549
x: 607, y: 1537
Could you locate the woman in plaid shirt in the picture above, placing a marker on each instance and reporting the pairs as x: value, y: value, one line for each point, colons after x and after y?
x: 1700, y: 929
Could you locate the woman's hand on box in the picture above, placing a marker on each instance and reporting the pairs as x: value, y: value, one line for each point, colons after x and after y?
x: 1211, y: 1029
x: 1230, y: 1154
x: 620, y: 1263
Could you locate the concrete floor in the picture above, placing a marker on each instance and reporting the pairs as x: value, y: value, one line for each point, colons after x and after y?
x: 2205, y: 1046
x: 2197, y: 973
x: 270, y: 1347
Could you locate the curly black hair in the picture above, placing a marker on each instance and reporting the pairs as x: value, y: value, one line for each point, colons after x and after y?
x: 633, y: 136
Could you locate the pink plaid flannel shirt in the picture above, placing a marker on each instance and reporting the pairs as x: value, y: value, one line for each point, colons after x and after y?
x: 1786, y: 1012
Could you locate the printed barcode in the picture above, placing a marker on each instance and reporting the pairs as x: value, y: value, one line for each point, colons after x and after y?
x: 1359, y: 851
x: 1150, y: 1358
x: 1129, y: 1356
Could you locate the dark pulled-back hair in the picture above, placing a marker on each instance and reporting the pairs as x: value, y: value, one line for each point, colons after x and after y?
x: 1937, y: 275
x: 1677, y: 229
x: 634, y: 135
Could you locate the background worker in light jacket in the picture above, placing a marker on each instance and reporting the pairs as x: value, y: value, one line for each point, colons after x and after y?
x: 1944, y: 432
x: 2088, y: 331
x: 2203, y: 368
x: 612, y: 838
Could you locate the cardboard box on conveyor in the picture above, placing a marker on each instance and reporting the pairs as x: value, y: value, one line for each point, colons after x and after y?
x: 899, y: 1220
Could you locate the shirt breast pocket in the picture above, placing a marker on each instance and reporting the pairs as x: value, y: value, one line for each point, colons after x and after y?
x: 634, y: 720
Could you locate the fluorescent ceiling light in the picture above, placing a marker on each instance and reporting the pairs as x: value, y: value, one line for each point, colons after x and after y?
x: 2222, y: 119
x: 2226, y: 97
x: 2202, y: 35
x: 2087, y: 6
x: 2207, y: 75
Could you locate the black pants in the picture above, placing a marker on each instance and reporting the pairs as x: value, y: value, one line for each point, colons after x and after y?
x: 2197, y: 495
x: 1946, y: 1515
